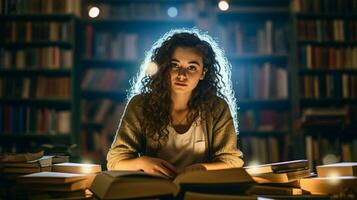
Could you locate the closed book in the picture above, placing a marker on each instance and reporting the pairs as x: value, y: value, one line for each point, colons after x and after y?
x: 281, y: 177
x: 60, y: 159
x: 25, y: 170
x: 77, y: 168
x: 19, y: 157
x: 337, y: 169
x: 44, y: 161
x: 66, y: 187
x: 278, y: 167
x: 51, y: 178
x: 137, y: 184
x: 329, y: 185
x: 205, y: 196
x: 273, y: 190
x: 48, y: 195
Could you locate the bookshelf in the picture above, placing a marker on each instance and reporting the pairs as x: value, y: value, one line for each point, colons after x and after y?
x: 39, y: 102
x: 325, y: 67
x: 254, y: 36
x: 114, y: 44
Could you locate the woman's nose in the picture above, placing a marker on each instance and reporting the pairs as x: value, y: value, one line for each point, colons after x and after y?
x: 182, y: 74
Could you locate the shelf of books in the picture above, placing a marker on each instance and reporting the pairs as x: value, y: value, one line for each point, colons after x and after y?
x: 38, y: 101
x: 326, y: 52
x: 256, y: 38
x: 114, y: 45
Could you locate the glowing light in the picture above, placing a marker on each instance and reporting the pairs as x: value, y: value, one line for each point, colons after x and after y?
x: 334, y: 178
x: 172, y: 12
x: 151, y: 68
x: 93, y: 12
x: 253, y: 163
x: 330, y: 158
x: 223, y: 5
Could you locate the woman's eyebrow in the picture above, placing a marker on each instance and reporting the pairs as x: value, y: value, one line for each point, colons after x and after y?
x: 190, y: 62
x: 194, y: 62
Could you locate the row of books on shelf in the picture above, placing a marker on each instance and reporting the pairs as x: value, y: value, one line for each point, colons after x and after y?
x: 258, y: 38
x: 262, y: 149
x: 29, y: 31
x: 329, y: 86
x: 105, y: 45
x: 320, y: 149
x: 263, y: 120
x: 264, y: 81
x: 99, y: 111
x: 19, y: 7
x: 36, y: 58
x: 339, y: 30
x: 318, y: 57
x: 35, y: 87
x: 145, y: 10
x: 98, y: 79
x: 24, y: 119
x: 325, y: 7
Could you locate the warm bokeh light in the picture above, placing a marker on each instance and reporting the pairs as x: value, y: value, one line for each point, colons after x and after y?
x: 253, y: 163
x: 334, y: 178
x: 172, y: 12
x: 151, y: 68
x: 93, y: 12
x: 223, y: 5
x: 329, y: 159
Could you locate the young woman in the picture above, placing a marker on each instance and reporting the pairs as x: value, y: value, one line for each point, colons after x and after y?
x: 181, y: 114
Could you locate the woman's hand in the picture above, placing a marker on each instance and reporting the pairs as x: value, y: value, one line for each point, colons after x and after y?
x: 157, y: 166
x: 194, y: 167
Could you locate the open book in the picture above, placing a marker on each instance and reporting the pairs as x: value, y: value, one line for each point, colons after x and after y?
x: 137, y: 184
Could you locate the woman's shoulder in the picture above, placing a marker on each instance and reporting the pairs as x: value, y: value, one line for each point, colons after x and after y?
x: 136, y: 99
x: 135, y: 102
x: 219, y: 102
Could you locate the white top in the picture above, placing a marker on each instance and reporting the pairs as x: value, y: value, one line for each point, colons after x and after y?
x: 182, y: 150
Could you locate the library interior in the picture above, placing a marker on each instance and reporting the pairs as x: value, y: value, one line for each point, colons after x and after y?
x: 276, y: 117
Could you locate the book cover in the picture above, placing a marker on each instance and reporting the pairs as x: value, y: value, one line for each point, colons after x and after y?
x: 69, y: 167
x: 337, y: 169
x: 278, y: 167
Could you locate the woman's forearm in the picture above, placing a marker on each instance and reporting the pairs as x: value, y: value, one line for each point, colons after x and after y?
x: 128, y: 164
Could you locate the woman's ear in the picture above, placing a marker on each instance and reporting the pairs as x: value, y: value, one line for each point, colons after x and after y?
x: 203, y: 73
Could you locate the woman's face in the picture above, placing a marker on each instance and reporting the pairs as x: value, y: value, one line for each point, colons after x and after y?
x: 186, y: 70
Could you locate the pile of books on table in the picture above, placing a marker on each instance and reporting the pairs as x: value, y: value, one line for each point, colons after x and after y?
x: 333, y: 179
x: 36, y: 176
x: 282, y: 178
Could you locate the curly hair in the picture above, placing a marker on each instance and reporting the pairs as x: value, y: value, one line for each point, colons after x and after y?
x: 155, y: 88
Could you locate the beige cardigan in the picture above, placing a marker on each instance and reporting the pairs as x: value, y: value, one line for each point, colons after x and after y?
x: 130, y: 142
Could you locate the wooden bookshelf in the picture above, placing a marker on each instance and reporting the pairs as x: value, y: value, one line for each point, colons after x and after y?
x: 22, y: 59
x: 332, y: 74
x: 249, y: 32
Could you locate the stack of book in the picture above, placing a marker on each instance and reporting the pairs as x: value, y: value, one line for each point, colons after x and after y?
x: 66, y: 180
x: 280, y: 178
x: 15, y: 165
x: 337, y: 178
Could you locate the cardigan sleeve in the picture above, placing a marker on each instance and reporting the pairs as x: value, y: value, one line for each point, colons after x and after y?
x: 128, y: 139
x: 225, y: 137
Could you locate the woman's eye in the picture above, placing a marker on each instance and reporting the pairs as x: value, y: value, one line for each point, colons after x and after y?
x: 192, y: 68
x: 174, y: 66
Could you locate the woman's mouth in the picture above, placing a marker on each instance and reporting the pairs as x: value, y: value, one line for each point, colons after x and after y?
x: 180, y: 84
